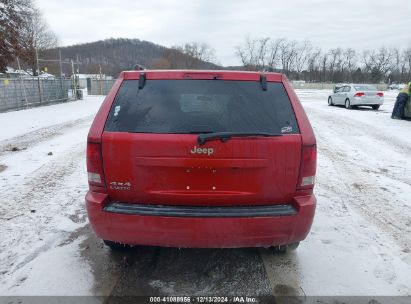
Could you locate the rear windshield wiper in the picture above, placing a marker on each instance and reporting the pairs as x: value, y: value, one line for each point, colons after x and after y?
x: 224, y: 136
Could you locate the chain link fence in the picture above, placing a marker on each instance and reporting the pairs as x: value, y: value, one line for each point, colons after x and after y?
x: 327, y: 86
x: 103, y: 86
x: 19, y: 93
x: 99, y: 86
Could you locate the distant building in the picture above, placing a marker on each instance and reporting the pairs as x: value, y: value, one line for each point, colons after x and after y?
x: 298, y: 83
x: 12, y: 73
x: 82, y: 78
x: 94, y: 76
x: 15, y: 73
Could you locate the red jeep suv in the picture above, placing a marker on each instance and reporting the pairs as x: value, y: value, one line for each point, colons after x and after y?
x: 201, y: 159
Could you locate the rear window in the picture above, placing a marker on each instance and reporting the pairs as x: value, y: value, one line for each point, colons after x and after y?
x: 365, y: 87
x: 201, y: 106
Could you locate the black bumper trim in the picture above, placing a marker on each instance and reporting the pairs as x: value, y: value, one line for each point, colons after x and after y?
x: 200, y: 211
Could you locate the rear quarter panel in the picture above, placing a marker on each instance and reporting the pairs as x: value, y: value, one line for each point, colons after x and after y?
x: 307, y: 133
x: 97, y: 127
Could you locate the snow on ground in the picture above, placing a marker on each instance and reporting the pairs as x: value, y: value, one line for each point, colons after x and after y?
x: 359, y: 243
x: 57, y: 271
x: 41, y: 195
x: 361, y: 236
x: 21, y: 122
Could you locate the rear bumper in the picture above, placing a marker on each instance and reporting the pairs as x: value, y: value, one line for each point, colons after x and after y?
x: 143, y: 226
x: 366, y: 101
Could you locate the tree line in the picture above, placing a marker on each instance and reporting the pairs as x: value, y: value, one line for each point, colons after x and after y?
x: 114, y: 55
x: 300, y: 60
x: 22, y: 31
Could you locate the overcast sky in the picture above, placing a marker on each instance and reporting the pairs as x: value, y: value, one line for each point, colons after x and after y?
x: 223, y: 24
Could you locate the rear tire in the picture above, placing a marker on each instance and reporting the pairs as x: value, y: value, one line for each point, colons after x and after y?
x: 293, y: 246
x: 281, y: 249
x: 117, y: 246
x: 348, y: 104
x: 375, y: 107
x: 330, y: 101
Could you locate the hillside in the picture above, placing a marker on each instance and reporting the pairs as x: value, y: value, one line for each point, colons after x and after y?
x: 116, y: 55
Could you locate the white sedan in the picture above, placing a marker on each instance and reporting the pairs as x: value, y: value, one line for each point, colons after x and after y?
x: 351, y: 95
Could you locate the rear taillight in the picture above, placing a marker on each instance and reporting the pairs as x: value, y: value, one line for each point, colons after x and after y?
x: 359, y: 94
x: 95, y: 165
x: 308, y: 166
x: 381, y: 94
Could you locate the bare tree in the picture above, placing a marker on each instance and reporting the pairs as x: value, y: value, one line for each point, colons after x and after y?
x: 300, y: 60
x: 35, y: 35
x: 396, y: 53
x: 405, y: 65
x: 262, y: 45
x: 175, y: 58
x: 378, y: 63
x: 302, y: 55
x: 273, y: 54
x: 248, y: 53
x: 350, y: 57
x: 324, y: 62
x: 335, y: 60
x: 314, y: 64
x: 407, y: 60
x: 12, y: 16
x: 398, y: 65
x: 196, y: 53
x: 258, y: 54
x: 288, y: 51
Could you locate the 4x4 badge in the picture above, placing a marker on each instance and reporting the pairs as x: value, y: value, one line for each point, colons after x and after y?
x: 120, y: 186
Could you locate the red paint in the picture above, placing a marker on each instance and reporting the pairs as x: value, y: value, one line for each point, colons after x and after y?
x: 95, y: 164
x: 162, y: 170
x: 160, y: 167
x: 200, y: 232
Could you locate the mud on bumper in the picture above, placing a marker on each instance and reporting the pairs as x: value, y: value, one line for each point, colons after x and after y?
x: 202, y: 227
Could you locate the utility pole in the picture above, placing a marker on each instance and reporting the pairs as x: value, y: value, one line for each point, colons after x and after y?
x: 38, y: 75
x: 37, y: 63
x: 61, y: 65
x: 101, y: 82
x: 22, y: 84
x: 61, y: 62
x: 74, y: 80
x: 61, y: 74
x: 78, y: 68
